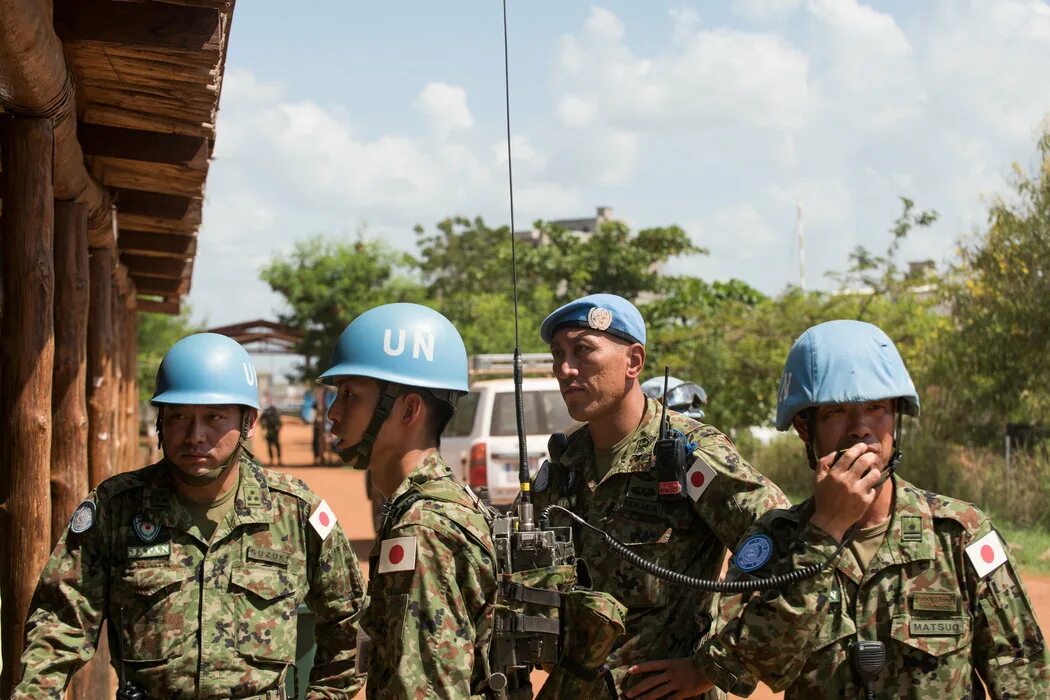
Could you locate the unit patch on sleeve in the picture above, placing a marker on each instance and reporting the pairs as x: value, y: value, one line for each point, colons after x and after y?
x: 754, y: 553
x: 987, y: 554
x: 83, y: 517
x: 397, y: 554
x: 698, y: 478
x: 323, y: 519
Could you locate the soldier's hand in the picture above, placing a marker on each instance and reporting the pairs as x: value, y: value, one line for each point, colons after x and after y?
x: 675, y: 679
x: 845, y: 488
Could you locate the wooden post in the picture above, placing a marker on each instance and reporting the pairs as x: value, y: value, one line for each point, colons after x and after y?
x: 131, y: 369
x: 69, y: 455
x: 26, y: 357
x: 100, y: 372
x: 117, y: 368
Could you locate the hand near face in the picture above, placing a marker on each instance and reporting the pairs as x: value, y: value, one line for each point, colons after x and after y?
x: 845, y: 487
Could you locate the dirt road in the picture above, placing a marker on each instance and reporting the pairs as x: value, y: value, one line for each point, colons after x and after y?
x: 344, y: 489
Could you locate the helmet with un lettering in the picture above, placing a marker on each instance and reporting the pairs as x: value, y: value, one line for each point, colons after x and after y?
x: 843, y: 362
x: 402, y: 343
x: 207, y: 369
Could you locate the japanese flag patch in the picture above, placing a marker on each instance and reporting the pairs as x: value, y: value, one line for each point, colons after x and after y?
x: 397, y: 554
x: 323, y: 519
x: 698, y: 478
x: 987, y: 554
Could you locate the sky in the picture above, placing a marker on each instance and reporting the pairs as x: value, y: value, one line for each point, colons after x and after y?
x: 365, y: 119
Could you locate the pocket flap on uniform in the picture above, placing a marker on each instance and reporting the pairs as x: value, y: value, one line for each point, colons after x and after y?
x: 147, y: 580
x: 934, y: 635
x: 265, y: 582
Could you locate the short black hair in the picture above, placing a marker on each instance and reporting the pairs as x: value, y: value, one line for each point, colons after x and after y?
x: 439, y: 412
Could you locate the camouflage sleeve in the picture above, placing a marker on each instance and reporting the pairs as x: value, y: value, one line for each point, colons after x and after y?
x: 446, y: 598
x: 1009, y: 651
x: 67, y: 609
x: 336, y: 597
x: 728, y: 493
x: 765, y: 636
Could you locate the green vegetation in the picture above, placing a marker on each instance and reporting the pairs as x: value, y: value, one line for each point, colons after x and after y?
x: 975, y: 338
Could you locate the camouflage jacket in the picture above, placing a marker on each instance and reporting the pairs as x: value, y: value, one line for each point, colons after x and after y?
x: 194, y: 620
x: 432, y: 591
x: 689, y: 535
x: 941, y: 622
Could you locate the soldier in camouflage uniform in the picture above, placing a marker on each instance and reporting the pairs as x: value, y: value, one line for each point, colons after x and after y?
x: 607, y: 475
x: 198, y: 562
x: 399, y: 369
x: 927, y: 576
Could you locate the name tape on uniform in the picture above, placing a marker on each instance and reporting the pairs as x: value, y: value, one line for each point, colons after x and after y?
x: 397, y: 554
x: 323, y: 519
x: 987, y: 554
x: 698, y: 478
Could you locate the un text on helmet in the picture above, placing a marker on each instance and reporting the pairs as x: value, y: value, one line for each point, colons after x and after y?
x: 421, y: 342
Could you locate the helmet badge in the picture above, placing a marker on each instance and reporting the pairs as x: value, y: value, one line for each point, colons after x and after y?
x: 422, y: 343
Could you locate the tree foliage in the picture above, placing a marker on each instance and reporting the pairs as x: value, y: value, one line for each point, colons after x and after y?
x: 326, y: 284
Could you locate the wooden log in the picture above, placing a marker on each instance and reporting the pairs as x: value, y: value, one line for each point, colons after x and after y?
x: 100, y: 369
x: 186, y: 226
x: 152, y: 204
x: 136, y: 119
x: 138, y: 145
x: 138, y: 24
x: 34, y: 81
x: 26, y: 365
x: 117, y: 397
x: 69, y: 455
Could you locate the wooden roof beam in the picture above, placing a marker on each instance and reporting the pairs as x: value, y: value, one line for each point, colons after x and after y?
x: 150, y: 146
x: 152, y: 266
x: 156, y: 306
x: 152, y: 204
x: 162, y: 244
x: 139, y: 24
x: 161, y: 286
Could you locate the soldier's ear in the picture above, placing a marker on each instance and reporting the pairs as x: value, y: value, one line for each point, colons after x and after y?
x: 801, y: 427
x: 635, y: 360
x: 412, y: 408
x: 248, y: 422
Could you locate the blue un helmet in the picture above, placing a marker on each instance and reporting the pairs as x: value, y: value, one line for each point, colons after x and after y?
x: 841, y: 362
x: 399, y: 345
x: 685, y: 397
x: 207, y: 369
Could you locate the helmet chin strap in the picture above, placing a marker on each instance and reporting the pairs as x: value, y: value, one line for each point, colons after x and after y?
x: 359, y: 454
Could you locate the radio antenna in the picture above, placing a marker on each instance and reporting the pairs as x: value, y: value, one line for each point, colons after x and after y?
x: 525, y: 513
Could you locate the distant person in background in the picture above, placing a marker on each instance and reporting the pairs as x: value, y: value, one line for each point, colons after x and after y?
x: 271, y: 422
x: 320, y: 439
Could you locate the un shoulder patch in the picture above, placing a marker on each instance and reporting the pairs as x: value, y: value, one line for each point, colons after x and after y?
x: 83, y: 517
x: 754, y: 553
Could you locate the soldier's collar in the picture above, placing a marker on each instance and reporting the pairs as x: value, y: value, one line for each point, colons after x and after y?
x: 910, y: 537
x: 638, y: 455
x: 254, y: 502
x: 433, y: 467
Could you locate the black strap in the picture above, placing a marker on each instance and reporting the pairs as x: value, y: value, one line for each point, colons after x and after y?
x: 527, y: 594
x: 393, y: 511
x: 528, y: 623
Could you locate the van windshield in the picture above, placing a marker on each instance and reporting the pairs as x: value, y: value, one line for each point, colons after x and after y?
x: 545, y: 413
x: 462, y: 422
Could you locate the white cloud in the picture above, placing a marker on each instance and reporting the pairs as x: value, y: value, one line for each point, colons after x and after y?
x: 765, y: 9
x: 446, y: 107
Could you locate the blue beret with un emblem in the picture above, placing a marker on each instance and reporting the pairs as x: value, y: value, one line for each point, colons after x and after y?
x: 608, y: 313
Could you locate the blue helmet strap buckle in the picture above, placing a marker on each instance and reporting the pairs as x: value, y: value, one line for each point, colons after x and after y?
x: 363, y: 449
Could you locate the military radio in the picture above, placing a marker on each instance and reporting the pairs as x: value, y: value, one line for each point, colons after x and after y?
x: 127, y: 690
x: 671, y: 454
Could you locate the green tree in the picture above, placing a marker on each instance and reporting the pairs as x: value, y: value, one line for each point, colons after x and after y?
x: 467, y: 268
x: 994, y: 368
x: 156, y: 334
x: 326, y: 284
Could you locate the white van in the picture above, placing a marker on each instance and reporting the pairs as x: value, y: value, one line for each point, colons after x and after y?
x: 480, y: 443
